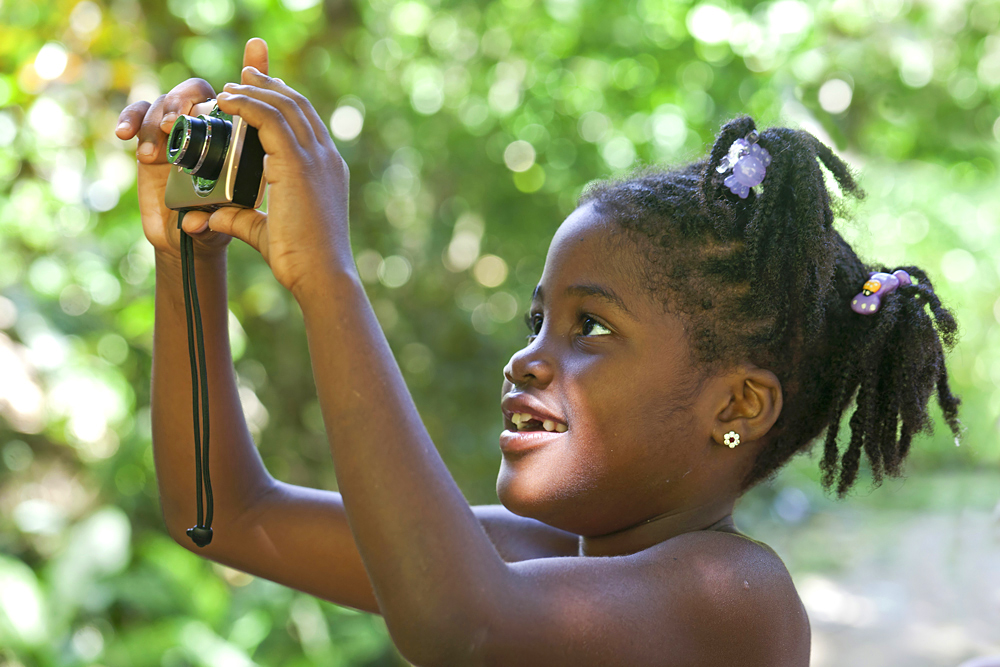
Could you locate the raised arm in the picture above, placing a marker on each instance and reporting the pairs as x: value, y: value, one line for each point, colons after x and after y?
x: 239, y: 477
x: 293, y: 535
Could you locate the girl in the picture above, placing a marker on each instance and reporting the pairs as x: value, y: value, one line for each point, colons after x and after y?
x: 691, y: 331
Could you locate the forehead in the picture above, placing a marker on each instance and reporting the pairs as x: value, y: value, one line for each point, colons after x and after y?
x: 587, y: 248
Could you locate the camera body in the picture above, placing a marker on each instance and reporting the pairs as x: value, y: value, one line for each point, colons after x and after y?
x: 218, y: 161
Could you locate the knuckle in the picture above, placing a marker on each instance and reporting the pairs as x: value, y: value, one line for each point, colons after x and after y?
x: 190, y: 91
x: 134, y: 109
x: 274, y: 115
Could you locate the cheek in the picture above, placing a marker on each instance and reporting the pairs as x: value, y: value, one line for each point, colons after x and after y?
x: 653, y: 410
x: 602, y: 401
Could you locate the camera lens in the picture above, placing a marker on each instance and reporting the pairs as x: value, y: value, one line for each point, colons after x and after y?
x: 199, y: 144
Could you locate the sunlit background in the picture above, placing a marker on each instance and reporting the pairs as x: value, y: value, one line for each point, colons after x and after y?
x: 470, y: 129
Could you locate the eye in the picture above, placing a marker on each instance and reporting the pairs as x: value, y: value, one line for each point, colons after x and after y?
x: 589, y: 324
x: 534, y: 324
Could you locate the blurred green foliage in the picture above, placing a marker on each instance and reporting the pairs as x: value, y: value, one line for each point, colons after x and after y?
x: 470, y: 128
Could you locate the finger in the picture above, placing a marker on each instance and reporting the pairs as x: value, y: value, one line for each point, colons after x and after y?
x: 246, y: 224
x: 290, y: 110
x: 150, y: 135
x: 255, y: 54
x: 180, y: 100
x: 130, y: 119
x: 261, y: 80
x: 195, y: 222
x: 274, y: 132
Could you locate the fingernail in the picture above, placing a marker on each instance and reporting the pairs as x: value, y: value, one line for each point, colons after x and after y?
x: 223, y: 96
x: 229, y: 86
x: 147, y: 148
x: 124, y: 125
x: 168, y: 118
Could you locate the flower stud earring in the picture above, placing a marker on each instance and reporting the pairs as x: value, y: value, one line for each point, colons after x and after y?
x: 731, y: 439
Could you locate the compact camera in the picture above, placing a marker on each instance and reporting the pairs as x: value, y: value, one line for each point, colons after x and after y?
x: 218, y: 161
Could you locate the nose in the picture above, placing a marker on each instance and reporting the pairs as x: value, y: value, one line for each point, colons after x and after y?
x: 529, y: 366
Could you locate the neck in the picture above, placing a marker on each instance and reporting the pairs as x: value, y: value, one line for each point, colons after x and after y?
x: 660, y: 528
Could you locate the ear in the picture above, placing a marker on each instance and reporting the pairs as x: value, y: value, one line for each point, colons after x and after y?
x: 750, y: 406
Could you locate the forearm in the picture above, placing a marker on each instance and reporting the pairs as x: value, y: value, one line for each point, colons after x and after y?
x: 238, y: 475
x: 429, y: 560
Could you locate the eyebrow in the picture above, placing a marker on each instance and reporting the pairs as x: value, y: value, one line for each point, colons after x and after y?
x: 588, y: 289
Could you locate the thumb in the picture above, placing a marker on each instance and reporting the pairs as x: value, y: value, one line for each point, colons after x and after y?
x: 255, y: 54
x: 246, y: 224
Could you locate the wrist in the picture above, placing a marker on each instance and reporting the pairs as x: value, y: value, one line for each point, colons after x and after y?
x: 321, y: 286
x: 169, y: 271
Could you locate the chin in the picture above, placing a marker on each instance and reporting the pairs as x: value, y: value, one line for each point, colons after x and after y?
x: 540, y: 498
x: 523, y: 494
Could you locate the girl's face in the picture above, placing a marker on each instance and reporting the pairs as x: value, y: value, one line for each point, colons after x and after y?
x: 607, y: 363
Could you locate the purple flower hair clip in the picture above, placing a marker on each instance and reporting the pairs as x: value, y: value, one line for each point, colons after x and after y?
x: 878, y: 286
x: 749, y: 162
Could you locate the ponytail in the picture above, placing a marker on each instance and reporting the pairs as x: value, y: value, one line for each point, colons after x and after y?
x: 898, y: 360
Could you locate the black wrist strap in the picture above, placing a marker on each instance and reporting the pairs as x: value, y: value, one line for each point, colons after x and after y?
x: 201, y: 534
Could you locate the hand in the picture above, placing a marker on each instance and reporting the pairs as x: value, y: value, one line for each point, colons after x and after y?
x: 305, y: 230
x: 152, y: 123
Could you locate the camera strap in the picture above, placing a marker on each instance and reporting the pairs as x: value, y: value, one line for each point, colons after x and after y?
x: 201, y: 534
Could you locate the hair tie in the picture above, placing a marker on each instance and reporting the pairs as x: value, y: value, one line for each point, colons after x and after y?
x: 876, y: 288
x: 748, y: 160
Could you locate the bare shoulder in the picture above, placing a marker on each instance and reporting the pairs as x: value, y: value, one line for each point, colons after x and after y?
x: 745, y: 596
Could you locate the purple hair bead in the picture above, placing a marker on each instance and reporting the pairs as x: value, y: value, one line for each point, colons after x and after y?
x: 878, y: 286
x: 748, y: 161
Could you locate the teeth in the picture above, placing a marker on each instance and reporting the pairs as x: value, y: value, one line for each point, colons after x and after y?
x: 521, y: 420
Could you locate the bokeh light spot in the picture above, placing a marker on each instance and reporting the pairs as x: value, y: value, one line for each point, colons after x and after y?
x: 835, y: 96
x: 519, y: 156
x: 346, y: 122
x: 709, y: 23
x: 394, y: 271
x: 51, y: 61
x: 490, y: 271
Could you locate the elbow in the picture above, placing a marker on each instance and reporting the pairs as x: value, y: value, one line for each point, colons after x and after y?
x: 458, y: 637
x: 178, y: 531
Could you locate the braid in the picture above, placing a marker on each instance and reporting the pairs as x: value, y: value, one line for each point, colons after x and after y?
x: 900, y: 362
x: 768, y: 279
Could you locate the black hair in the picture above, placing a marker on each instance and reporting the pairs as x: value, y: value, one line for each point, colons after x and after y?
x: 767, y: 279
